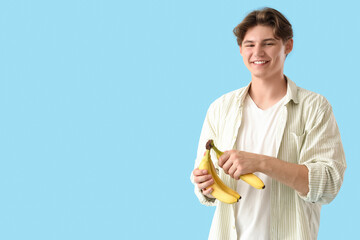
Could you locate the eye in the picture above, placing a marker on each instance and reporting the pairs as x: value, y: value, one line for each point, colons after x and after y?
x: 249, y: 45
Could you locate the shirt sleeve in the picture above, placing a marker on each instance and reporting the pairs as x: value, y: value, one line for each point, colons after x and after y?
x: 322, y: 153
x: 207, y: 132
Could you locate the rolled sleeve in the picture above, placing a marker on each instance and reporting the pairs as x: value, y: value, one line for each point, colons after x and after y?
x: 323, y: 155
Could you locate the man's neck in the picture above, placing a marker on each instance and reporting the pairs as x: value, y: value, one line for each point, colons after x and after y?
x: 267, y: 92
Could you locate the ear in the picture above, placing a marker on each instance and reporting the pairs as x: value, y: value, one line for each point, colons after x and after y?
x: 289, y: 46
x: 240, y: 50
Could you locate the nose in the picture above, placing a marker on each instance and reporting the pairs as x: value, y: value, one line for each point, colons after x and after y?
x: 259, y: 51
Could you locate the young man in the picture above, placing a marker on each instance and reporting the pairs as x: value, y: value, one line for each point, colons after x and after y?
x: 284, y: 134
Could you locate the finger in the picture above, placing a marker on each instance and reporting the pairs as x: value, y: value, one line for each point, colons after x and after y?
x: 207, y: 191
x: 205, y: 184
x: 232, y: 170
x: 228, y: 164
x: 223, y: 158
x: 202, y: 178
x: 199, y: 172
x: 237, y: 174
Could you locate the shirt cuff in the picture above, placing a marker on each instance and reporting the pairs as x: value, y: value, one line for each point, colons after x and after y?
x: 317, y: 182
x: 204, y: 199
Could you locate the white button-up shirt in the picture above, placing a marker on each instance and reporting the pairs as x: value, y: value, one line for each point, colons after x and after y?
x: 307, y: 134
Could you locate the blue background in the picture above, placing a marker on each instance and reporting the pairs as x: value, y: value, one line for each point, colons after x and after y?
x: 102, y: 103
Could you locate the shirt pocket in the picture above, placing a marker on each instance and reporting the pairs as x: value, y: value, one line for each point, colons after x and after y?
x: 296, y: 143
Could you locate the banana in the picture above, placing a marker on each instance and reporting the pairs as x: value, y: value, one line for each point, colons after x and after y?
x: 220, y: 190
x: 249, y: 178
x: 222, y: 184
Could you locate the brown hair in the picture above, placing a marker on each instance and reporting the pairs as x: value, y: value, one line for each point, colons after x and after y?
x: 265, y: 17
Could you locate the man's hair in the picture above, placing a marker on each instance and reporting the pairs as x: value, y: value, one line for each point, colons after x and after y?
x: 265, y: 17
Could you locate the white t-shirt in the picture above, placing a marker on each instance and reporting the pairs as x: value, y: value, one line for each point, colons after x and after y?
x: 256, y: 135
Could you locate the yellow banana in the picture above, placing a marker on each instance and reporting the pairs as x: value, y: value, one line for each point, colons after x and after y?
x: 220, y: 190
x: 249, y: 178
x: 221, y: 183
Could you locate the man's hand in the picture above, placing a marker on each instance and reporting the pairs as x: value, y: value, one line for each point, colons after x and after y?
x: 203, y: 180
x: 237, y: 163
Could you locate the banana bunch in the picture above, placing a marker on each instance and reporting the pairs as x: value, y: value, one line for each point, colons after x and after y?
x: 249, y: 178
x: 220, y: 190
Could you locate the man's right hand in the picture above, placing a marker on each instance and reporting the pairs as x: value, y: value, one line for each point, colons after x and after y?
x: 203, y: 180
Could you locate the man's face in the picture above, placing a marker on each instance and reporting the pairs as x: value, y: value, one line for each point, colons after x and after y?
x: 263, y: 54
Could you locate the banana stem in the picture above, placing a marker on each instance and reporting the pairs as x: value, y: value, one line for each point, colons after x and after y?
x: 218, y: 152
x: 210, y: 144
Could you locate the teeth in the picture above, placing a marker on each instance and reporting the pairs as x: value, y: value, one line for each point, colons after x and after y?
x: 260, y: 62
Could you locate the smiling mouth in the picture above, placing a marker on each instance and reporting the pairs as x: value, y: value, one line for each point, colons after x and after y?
x: 260, y: 62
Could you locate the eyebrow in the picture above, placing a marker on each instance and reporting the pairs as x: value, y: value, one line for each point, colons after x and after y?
x: 265, y: 40
x: 269, y: 39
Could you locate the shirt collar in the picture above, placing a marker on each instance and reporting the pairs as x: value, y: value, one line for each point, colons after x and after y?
x: 243, y: 94
x: 291, y: 93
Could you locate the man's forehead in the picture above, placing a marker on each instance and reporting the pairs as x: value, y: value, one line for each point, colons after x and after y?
x: 259, y: 33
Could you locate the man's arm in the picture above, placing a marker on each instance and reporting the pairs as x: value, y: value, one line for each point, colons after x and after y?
x: 293, y: 175
x: 318, y: 174
x: 236, y: 163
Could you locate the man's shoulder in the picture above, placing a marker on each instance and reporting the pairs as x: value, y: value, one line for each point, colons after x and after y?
x: 230, y: 98
x: 227, y: 103
x: 311, y: 99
